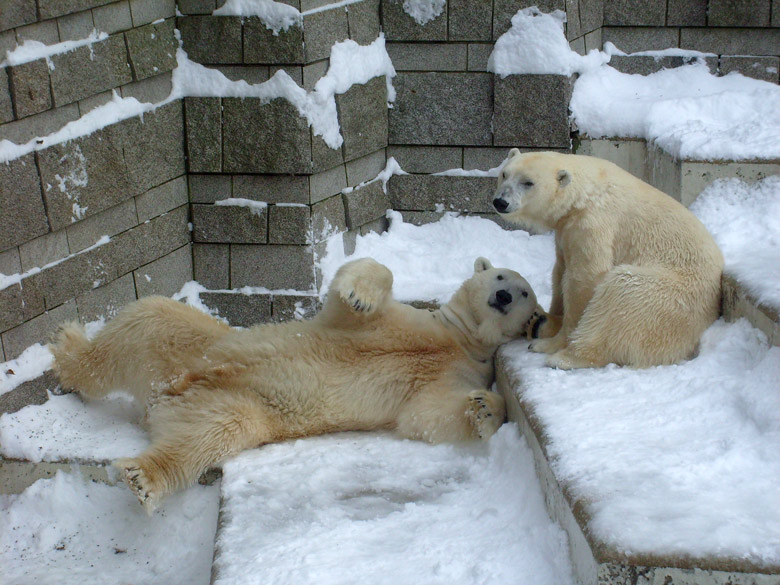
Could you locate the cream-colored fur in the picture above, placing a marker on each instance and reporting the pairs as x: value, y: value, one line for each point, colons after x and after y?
x: 637, y: 276
x: 365, y: 362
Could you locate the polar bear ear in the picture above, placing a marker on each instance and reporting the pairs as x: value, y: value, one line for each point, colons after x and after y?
x: 564, y: 177
x: 481, y: 264
x: 513, y: 153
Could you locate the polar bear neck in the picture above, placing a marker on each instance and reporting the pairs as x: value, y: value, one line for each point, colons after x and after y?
x: 465, y: 329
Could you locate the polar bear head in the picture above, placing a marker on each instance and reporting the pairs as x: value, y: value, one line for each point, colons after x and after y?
x: 496, y: 303
x: 535, y: 189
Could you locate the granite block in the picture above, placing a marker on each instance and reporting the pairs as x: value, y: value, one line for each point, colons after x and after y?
x: 44, y: 249
x: 212, y: 39
x: 428, y: 56
x: 21, y: 302
x: 591, y: 15
x: 274, y: 267
x: 686, y: 13
x: 43, y: 124
x: 17, y: 13
x: 105, y: 302
x: 37, y: 330
x: 261, y: 45
x: 113, y: 18
x: 323, y: 185
x: 731, y: 41
x: 322, y: 30
x: 399, y: 26
x: 252, y: 74
x: 238, y: 309
x: 75, y: 26
x: 432, y: 192
x: 294, y: 307
x: 289, y: 224
x: 470, y: 20
x: 483, y: 159
x: 430, y: 109
x: 43, y: 32
x: 21, y: 204
x: 53, y: 8
x: 94, y: 101
x: 323, y: 157
x: 109, y: 222
x: 362, y: 113
x: 272, y: 188
x: 366, y: 204
x: 739, y: 13
x: 504, y: 10
x: 30, y: 392
x: 313, y: 72
x: 478, y: 55
x: 30, y: 87
x: 635, y: 13
x: 426, y: 159
x: 210, y: 188
x: 164, y: 276
x: 204, y: 134
x: 147, y: 11
x: 328, y: 217
x: 364, y: 23
x: 211, y: 265
x: 365, y: 168
x: 10, y: 262
x: 573, y: 28
x: 229, y: 224
x: 151, y: 90
x: 636, y: 39
x: 162, y: 199
x: 197, y: 6
x: 152, y: 49
x: 77, y: 274
x: 765, y: 68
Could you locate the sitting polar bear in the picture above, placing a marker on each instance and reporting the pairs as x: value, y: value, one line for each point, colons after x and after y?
x: 364, y: 362
x: 637, y: 276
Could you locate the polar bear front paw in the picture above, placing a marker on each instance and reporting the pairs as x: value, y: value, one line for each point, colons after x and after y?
x: 549, y: 345
x: 486, y: 412
x: 139, y: 483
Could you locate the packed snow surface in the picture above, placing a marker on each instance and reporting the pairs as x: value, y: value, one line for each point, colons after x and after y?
x: 275, y: 15
x: 424, y: 11
x: 31, y: 50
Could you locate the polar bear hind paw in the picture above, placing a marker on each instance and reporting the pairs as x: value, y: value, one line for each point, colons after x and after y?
x: 138, y: 482
x: 485, y: 412
x: 362, y: 296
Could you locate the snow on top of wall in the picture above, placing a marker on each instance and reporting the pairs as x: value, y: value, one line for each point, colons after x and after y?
x: 31, y: 50
x: 275, y: 15
x: 256, y: 207
x: 610, y: 49
x: 424, y: 11
x: 744, y: 218
x: 536, y: 44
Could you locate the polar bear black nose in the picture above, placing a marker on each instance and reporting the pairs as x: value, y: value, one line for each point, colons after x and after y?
x: 500, y: 204
x: 503, y: 297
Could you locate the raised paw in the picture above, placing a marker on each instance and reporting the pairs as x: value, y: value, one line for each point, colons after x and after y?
x: 486, y: 412
x: 139, y: 483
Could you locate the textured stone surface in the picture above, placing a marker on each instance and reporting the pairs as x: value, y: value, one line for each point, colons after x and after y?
x: 75, y: 26
x: 431, y: 108
x: 289, y: 224
x: 31, y: 392
x: 262, y: 46
x: 478, y: 55
x: 77, y: 274
x: 21, y: 206
x: 765, y: 68
x: 470, y: 20
x: 196, y: 6
x: 504, y: 10
x: 43, y: 249
x: 210, y: 188
x: 152, y: 49
x: 211, y: 265
x: 212, y: 39
x: 427, y: 192
x: 161, y: 199
x: 37, y: 330
x: 90, y: 69
x: 321, y: 31
x: 43, y: 32
x: 289, y: 307
x: 399, y: 26
x: 633, y: 13
x: 363, y: 18
x: 484, y: 159
x: 151, y: 90
x: 84, y: 176
x: 21, y: 302
x: 323, y: 157
x: 10, y: 262
x: 165, y: 276
x: 731, y: 41
x: 365, y: 168
x: 426, y: 159
x: 6, y: 106
x: 30, y: 88
x: 113, y: 18
x: 146, y: 11
x: 366, y: 204
x: 273, y: 267
x: 204, y: 134
x: 252, y: 74
x: 428, y: 56
x: 272, y: 188
x: 646, y: 64
x: 633, y: 40
x: 532, y: 110
x: 24, y: 130
x: 53, y: 8
x: 325, y: 184
x: 686, y: 12
x: 362, y: 115
x: 106, y: 301
x: 591, y: 15
x: 110, y: 222
x: 229, y: 224
x: 738, y: 12
x: 238, y: 309
x: 328, y: 218
x: 270, y: 138
x: 17, y: 13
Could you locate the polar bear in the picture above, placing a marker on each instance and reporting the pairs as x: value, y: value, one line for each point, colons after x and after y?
x: 637, y: 277
x: 364, y: 362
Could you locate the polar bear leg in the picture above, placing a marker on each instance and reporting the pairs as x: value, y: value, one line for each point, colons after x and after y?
x: 360, y: 289
x: 452, y: 415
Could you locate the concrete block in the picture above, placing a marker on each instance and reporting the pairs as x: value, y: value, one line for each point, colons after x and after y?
x: 10, y: 262
x: 483, y: 159
x: 197, y: 6
x: 323, y: 157
x: 53, y: 8
x: 328, y: 218
x: 30, y: 392
x: 430, y: 108
x: 532, y: 110
x: 428, y: 56
x: 75, y: 26
x: 238, y: 309
x: 294, y: 71
x: 94, y: 101
x: 739, y: 303
x: 162, y: 199
x: 399, y: 26
x: 294, y: 307
x: 366, y: 168
x: 272, y: 188
x: 204, y: 134
x: 313, y: 72
x: 765, y: 68
x: 43, y: 32
x: 148, y: 241
x: 43, y: 249
x: 572, y: 25
x: 377, y: 226
x: 152, y: 49
x: 105, y: 302
x: 289, y: 224
x: 21, y: 205
x: 210, y: 188
x: 362, y: 115
x: 504, y: 10
x: 106, y: 223
x: 363, y: 19
x: 261, y: 45
x: 37, y: 330
x: 151, y: 90
x: 7, y: 41
x: 591, y: 15
x: 470, y: 20
x: 578, y: 45
x: 646, y: 64
x: 21, y: 302
x: 635, y: 39
x: 267, y: 138
x: 90, y: 69
x: 211, y: 265
x: 17, y: 13
x: 147, y: 11
x: 113, y: 18
x: 633, y: 13
x: 42, y: 124
x: 273, y: 267
x: 366, y: 204
x: 686, y: 12
x: 432, y: 192
x: 77, y: 274
x: 323, y: 185
x: 738, y: 12
x: 228, y: 224
x: 776, y: 13
x: 212, y: 39
x: 731, y: 41
x: 153, y: 146
x: 478, y: 55
x: 629, y: 155
x: 84, y: 176
x: 252, y: 74
x: 165, y: 276
x: 30, y: 87
x: 593, y: 40
x: 321, y: 31
x: 427, y: 159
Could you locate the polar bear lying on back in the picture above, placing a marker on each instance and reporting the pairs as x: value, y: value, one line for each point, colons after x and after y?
x: 365, y: 362
x: 637, y: 276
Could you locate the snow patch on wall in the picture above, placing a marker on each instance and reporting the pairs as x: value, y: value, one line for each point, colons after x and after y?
x: 31, y: 50
x: 424, y: 11
x: 275, y: 15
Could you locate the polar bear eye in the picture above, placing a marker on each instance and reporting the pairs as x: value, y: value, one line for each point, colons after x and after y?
x: 528, y: 184
x: 499, y: 277
x: 524, y: 293
x: 504, y: 175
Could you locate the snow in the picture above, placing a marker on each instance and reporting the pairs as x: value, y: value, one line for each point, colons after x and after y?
x: 744, y: 218
x: 424, y: 11
x: 31, y: 50
x: 360, y: 508
x: 32, y: 362
x: 256, y: 207
x: 275, y: 15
